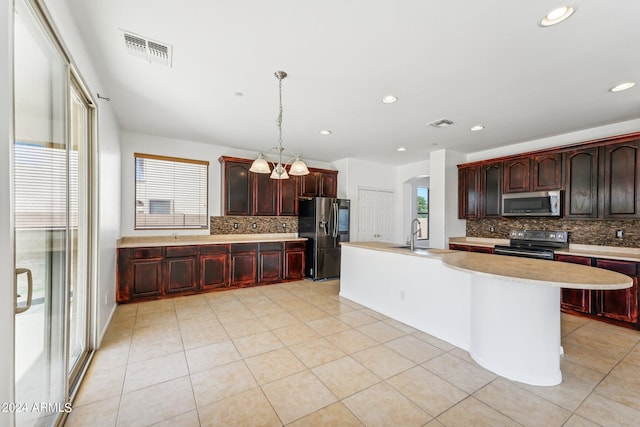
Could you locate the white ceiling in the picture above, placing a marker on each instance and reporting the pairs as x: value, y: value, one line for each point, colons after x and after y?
x: 474, y: 62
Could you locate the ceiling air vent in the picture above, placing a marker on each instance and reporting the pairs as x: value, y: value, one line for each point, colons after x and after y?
x: 151, y: 50
x: 442, y: 123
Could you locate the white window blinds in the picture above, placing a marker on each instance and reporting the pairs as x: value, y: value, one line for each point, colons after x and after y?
x: 170, y: 192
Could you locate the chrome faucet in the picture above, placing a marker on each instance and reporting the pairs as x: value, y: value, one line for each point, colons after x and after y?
x: 412, y: 239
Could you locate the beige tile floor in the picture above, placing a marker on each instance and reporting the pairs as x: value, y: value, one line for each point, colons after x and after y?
x: 298, y: 354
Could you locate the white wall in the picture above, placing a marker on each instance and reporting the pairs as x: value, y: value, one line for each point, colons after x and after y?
x: 443, y: 204
x: 354, y: 174
x: 148, y: 144
x: 6, y: 226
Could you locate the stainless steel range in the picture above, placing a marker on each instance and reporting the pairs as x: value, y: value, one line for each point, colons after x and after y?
x: 534, y: 243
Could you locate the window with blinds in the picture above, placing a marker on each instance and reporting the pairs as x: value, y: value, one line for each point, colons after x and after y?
x: 171, y: 192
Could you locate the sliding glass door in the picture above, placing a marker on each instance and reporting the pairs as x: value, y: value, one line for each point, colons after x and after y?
x: 51, y: 188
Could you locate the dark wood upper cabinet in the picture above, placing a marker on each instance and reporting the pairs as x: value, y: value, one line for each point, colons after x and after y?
x: 310, y: 185
x: 621, y: 191
x: 546, y: 172
x: 468, y: 192
x: 237, y: 188
x: 491, y: 190
x: 288, y: 196
x: 265, y: 194
x: 328, y: 184
x: 581, y: 183
x: 248, y: 193
x: 516, y: 175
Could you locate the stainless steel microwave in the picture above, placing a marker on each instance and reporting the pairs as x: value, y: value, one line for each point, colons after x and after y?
x: 537, y: 203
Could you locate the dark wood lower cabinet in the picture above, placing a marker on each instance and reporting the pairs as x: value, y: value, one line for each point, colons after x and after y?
x: 157, y: 272
x: 471, y: 248
x: 575, y: 299
x: 294, y: 258
x: 181, y: 269
x: 146, y: 278
x: 243, y: 263
x: 214, y: 267
x: 621, y: 304
x: 616, y: 306
x: 270, y: 262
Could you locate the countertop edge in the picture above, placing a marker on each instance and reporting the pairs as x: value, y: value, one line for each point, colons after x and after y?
x: 147, y: 241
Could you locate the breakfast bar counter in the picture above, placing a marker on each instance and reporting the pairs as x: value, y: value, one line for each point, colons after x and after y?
x: 504, y: 310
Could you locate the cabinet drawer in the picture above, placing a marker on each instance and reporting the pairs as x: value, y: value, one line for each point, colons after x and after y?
x: 243, y: 247
x: 139, y: 253
x: 294, y: 246
x: 213, y: 249
x: 270, y: 246
x: 180, y: 251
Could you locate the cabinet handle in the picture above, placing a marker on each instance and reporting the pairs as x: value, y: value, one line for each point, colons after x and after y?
x: 29, y: 290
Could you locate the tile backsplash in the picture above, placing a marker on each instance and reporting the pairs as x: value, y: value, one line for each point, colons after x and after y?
x: 597, y: 232
x: 253, y: 224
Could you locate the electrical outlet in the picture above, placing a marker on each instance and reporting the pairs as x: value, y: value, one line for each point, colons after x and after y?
x: 254, y: 225
x: 619, y: 234
x: 492, y: 229
x: 235, y: 225
x: 284, y: 225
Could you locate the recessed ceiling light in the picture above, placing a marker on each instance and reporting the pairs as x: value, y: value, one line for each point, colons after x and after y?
x: 622, y: 86
x: 401, y: 149
x: 476, y: 128
x: 325, y: 132
x: 556, y: 16
x: 389, y: 99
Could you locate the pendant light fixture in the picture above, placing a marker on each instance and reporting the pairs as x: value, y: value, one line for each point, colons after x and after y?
x: 261, y: 164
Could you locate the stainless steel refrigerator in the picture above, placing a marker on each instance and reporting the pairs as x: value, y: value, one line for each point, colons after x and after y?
x: 324, y: 222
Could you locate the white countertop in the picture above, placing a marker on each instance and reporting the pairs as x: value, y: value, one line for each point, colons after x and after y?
x: 517, y: 269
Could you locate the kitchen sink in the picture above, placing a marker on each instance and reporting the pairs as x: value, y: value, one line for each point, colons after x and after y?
x: 422, y: 248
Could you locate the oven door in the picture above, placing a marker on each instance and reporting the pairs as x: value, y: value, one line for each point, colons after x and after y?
x: 529, y: 252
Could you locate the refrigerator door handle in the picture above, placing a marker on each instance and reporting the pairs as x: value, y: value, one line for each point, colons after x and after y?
x: 335, y: 220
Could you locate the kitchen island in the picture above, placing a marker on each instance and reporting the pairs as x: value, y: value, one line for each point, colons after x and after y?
x: 504, y: 310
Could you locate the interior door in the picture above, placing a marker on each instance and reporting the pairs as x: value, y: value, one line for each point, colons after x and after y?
x: 374, y: 215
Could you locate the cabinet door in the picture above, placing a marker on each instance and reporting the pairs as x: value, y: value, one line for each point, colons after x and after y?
x: 243, y: 264
x: 468, y: 187
x: 270, y: 266
x: 181, y: 275
x: 621, y: 304
x: 147, y: 277
x: 294, y: 265
x: 547, y: 172
x: 622, y: 180
x: 214, y: 271
x: 575, y: 299
x: 310, y: 185
x: 491, y: 190
x: 328, y: 184
x: 288, y: 196
x: 237, y: 189
x: 264, y: 194
x: 581, y: 186
x: 516, y: 175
